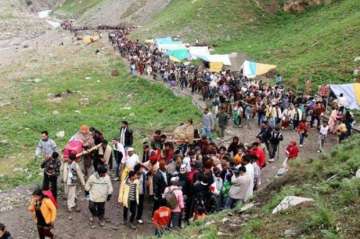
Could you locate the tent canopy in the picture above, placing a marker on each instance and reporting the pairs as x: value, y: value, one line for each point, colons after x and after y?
x: 217, y: 58
x: 252, y: 69
x: 163, y: 40
x: 237, y: 60
x: 351, y: 93
x: 179, y: 54
x: 199, y: 52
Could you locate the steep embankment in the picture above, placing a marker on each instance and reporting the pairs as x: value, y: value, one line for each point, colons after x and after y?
x: 111, y: 12
x: 319, y: 44
x: 328, y: 179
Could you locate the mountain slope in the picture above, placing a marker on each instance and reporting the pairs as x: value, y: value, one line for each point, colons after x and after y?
x: 319, y: 44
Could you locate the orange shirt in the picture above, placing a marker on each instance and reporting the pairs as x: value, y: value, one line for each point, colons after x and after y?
x: 162, y: 217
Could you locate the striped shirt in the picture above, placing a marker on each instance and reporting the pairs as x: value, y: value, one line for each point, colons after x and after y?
x: 132, y: 191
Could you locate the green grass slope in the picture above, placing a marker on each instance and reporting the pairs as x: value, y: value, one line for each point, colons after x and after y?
x: 328, y: 179
x: 319, y: 44
x: 147, y: 106
x: 75, y: 8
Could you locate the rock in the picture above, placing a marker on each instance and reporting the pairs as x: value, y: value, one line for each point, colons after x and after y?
x: 357, y: 59
x: 37, y: 80
x: 4, y: 141
x: 114, y: 73
x: 357, y: 174
x: 290, y: 233
x: 247, y: 207
x: 225, y: 220
x: 281, y: 172
x: 18, y: 170
x: 84, y: 101
x: 60, y: 134
x: 77, y: 111
x: 290, y: 201
x: 88, y: 78
x: 132, y: 114
x: 55, y: 112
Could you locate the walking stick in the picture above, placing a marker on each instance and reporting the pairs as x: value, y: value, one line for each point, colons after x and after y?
x: 278, y: 151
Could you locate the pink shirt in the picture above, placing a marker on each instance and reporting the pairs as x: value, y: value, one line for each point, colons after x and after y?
x: 179, y: 196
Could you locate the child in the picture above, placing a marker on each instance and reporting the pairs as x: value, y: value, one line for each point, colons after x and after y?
x: 72, y: 175
x: 292, y: 151
x: 161, y: 219
x: 302, y: 131
x: 199, y: 214
x: 323, y: 133
x: 129, y: 197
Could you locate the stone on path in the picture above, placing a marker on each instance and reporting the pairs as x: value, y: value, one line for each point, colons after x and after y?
x: 290, y: 201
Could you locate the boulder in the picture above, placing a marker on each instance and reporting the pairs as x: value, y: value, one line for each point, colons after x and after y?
x: 290, y: 201
x: 60, y: 134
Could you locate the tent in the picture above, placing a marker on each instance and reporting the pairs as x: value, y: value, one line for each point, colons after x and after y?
x: 198, y: 52
x: 252, y: 69
x: 88, y: 39
x: 164, y: 40
x: 171, y: 46
x: 350, y: 91
x: 218, y: 58
x: 179, y: 54
x: 216, y: 66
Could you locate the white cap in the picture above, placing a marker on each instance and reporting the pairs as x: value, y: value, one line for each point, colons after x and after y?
x: 130, y: 149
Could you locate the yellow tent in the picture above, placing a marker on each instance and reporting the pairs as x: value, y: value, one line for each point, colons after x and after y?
x: 262, y: 69
x: 216, y: 66
x: 88, y: 39
x: 174, y: 59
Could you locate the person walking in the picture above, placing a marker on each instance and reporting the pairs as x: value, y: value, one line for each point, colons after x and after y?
x: 323, y: 133
x: 45, y: 146
x: 302, y: 130
x: 129, y: 198
x: 44, y: 213
x: 72, y: 176
x: 240, y: 183
x: 222, y: 122
x: 99, y: 189
x: 207, y: 124
x: 51, y: 168
x: 126, y: 135
x: 160, y: 181
x: 275, y: 138
x: 175, y: 193
x: 4, y: 234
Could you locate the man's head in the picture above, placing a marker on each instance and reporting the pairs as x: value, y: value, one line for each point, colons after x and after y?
x: 130, y: 151
x: 125, y: 124
x: 38, y: 194
x: 162, y: 165
x: 44, y: 135
x: 132, y: 175
x: 242, y: 170
x: 72, y: 157
x: 102, y: 170
x: 55, y: 155
x: 84, y: 129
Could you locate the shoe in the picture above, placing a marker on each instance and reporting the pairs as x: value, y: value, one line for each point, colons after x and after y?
x: 301, y: 145
x: 319, y: 151
x: 271, y: 160
x: 77, y: 209
x: 102, y: 223
x: 91, y: 219
x: 132, y: 226
x: 140, y: 221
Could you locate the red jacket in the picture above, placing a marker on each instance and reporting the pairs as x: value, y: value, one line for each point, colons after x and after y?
x: 293, y: 151
x: 302, y: 128
x: 261, y: 157
x: 162, y: 217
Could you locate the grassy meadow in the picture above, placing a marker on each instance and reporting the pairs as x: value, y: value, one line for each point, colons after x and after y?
x: 96, y: 99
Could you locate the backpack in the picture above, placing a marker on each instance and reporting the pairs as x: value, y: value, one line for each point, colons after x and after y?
x: 171, y: 199
x: 50, y: 195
